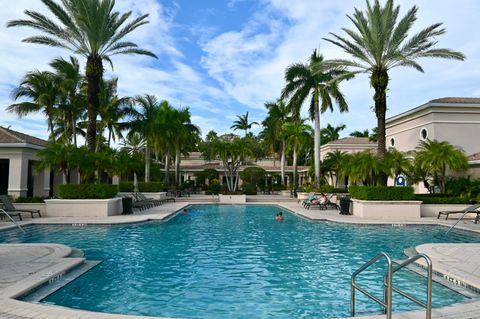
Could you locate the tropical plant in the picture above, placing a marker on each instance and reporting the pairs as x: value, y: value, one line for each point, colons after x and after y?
x: 333, y: 162
x: 396, y: 163
x: 380, y: 44
x: 90, y: 29
x: 145, y: 122
x: 364, y: 133
x: 253, y: 175
x: 232, y: 154
x: 242, y: 123
x: 331, y: 133
x: 436, y: 157
x: 362, y: 167
x: 134, y: 146
x: 319, y: 79
x: 278, y: 114
x: 297, y: 136
x: 59, y: 156
x: 43, y: 93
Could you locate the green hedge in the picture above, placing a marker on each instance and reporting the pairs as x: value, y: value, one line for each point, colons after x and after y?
x: 29, y: 200
x: 429, y: 199
x: 381, y: 193
x: 150, y: 187
x: 87, y: 191
x: 249, y: 189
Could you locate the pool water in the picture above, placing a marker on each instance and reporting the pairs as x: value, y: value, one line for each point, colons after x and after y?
x: 236, y: 261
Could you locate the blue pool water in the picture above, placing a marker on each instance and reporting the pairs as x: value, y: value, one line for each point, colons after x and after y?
x: 235, y: 261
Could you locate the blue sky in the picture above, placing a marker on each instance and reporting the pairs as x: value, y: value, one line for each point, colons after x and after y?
x: 224, y: 58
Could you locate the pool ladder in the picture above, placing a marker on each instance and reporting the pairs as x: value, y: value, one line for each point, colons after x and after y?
x: 388, y: 288
x: 11, y: 219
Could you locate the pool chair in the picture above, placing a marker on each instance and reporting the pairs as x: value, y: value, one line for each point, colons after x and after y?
x: 331, y: 204
x: 9, y: 208
x: 143, y: 198
x: 320, y: 202
x: 311, y: 197
x: 470, y: 209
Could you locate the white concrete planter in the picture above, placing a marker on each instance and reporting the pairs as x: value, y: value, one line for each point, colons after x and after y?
x: 302, y: 195
x: 232, y: 198
x: 42, y: 207
x: 158, y: 195
x: 431, y: 210
x: 285, y: 193
x: 83, y: 207
x: 386, y: 209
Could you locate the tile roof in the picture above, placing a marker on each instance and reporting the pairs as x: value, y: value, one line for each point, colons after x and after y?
x: 457, y: 100
x: 352, y: 140
x: 10, y: 136
x: 474, y: 157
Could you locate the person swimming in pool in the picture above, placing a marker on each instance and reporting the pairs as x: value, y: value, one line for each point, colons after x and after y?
x: 184, y: 211
x: 279, y: 217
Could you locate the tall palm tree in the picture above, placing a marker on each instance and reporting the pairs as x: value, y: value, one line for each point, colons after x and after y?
x: 297, y: 135
x: 145, y: 122
x: 278, y: 114
x: 320, y: 80
x: 134, y: 145
x: 380, y: 44
x: 436, y: 157
x: 185, y: 138
x: 69, y: 81
x: 90, y: 29
x: 40, y: 88
x: 242, y: 123
x: 331, y: 133
x: 113, y: 109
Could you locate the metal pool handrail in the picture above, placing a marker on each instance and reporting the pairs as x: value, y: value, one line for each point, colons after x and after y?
x: 11, y: 219
x: 388, y: 286
x: 387, y: 294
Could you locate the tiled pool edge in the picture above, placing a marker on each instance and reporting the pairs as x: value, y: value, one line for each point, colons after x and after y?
x: 19, y: 309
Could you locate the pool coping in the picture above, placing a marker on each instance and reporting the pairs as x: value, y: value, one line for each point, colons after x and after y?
x: 12, y: 306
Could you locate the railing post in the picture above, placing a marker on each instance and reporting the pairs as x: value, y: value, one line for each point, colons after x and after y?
x: 352, y: 300
x: 429, y: 287
x: 389, y: 289
x: 385, y: 293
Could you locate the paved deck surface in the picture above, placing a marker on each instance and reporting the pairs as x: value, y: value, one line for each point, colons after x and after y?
x: 24, y: 266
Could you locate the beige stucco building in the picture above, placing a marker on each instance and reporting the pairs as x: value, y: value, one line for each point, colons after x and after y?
x: 17, y: 158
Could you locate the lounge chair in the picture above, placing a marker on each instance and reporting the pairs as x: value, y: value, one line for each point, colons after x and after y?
x: 143, y: 198
x: 331, y: 204
x: 9, y: 208
x: 469, y: 209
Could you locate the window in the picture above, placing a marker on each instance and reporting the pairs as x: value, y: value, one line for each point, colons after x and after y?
x: 424, y: 134
x: 392, y: 141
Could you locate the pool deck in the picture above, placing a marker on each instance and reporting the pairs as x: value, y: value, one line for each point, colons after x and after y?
x: 25, y: 266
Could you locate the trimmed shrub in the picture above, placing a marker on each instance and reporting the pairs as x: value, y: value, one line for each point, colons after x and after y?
x: 249, y: 189
x: 30, y: 200
x: 87, y: 191
x: 150, y: 187
x: 381, y: 193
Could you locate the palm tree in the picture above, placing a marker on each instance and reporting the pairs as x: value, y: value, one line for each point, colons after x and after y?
x: 134, y: 145
x: 112, y: 110
x: 278, y: 114
x: 360, y: 133
x: 243, y: 124
x: 396, y: 163
x: 41, y: 89
x: 320, y: 80
x: 436, y: 157
x: 145, y: 122
x: 380, y: 44
x: 185, y: 138
x: 362, y: 167
x: 297, y: 135
x: 334, y: 161
x: 90, y: 29
x: 331, y: 133
x: 69, y: 81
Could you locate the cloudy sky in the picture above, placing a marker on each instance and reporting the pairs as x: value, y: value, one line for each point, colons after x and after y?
x: 223, y: 58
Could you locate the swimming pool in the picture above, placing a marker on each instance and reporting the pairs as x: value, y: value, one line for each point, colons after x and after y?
x: 234, y: 261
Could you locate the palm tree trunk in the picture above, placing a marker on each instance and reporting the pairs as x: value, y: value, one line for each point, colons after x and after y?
x: 50, y: 126
x: 295, y: 167
x: 379, y: 81
x: 109, y: 136
x: 177, y: 166
x: 94, y: 72
x: 74, y: 130
x: 147, y: 164
x: 167, y: 168
x: 282, y: 162
x: 316, y: 142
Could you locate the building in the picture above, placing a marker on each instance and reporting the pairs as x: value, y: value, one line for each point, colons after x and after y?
x: 17, y: 158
